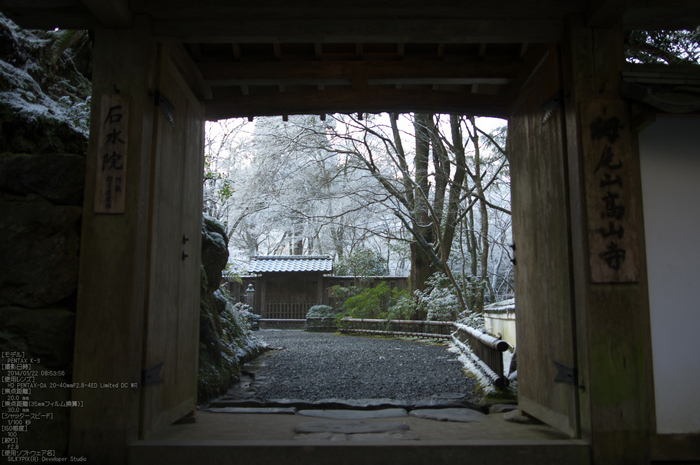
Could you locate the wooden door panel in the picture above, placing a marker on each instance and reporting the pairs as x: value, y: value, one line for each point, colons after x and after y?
x: 172, y: 315
x: 188, y: 322
x: 544, y: 306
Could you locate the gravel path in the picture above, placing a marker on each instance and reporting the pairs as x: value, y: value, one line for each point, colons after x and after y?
x: 313, y: 366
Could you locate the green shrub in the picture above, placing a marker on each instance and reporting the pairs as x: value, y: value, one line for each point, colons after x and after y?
x: 344, y: 293
x: 405, y: 307
x: 380, y: 302
x: 321, y: 311
x: 439, y: 299
x: 368, y: 303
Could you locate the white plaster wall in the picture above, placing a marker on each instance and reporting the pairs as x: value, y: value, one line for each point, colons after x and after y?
x: 503, y: 323
x: 670, y: 162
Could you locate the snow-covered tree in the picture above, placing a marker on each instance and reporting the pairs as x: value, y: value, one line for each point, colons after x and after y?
x: 377, y: 183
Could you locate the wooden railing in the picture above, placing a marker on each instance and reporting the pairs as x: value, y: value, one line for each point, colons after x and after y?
x: 411, y: 328
x: 485, y: 351
x: 287, y: 310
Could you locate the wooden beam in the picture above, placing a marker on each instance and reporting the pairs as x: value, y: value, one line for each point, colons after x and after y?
x: 220, y: 73
x: 236, y: 51
x: 334, y: 30
x: 675, y: 447
x: 358, y: 80
x: 111, y: 13
x: 113, y: 258
x: 196, y: 52
x: 190, y: 72
x: 277, y: 50
x: 614, y: 366
x: 533, y: 59
x: 365, y: 8
x: 351, y: 101
x: 660, y: 14
x: 605, y: 13
x: 35, y: 4
x: 49, y: 18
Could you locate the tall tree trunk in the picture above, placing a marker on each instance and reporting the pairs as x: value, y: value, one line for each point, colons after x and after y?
x: 484, y: 236
x: 455, y: 189
x: 420, y: 260
x: 403, y: 164
x: 441, y: 165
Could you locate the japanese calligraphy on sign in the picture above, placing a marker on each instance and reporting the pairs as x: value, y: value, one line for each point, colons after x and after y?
x: 609, y: 180
x: 110, y: 189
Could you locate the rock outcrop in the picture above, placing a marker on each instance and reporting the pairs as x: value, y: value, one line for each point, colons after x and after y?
x: 225, y: 338
x: 44, y: 90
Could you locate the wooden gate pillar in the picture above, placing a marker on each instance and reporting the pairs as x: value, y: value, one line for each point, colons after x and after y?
x: 112, y: 289
x: 609, y: 266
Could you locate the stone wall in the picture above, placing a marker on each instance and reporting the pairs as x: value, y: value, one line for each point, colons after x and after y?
x: 40, y: 219
x: 225, y: 338
x: 44, y: 116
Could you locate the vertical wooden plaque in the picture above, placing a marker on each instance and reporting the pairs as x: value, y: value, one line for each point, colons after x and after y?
x: 613, y: 219
x: 113, y: 137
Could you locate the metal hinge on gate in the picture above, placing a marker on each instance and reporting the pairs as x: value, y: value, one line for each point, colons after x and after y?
x: 551, y: 105
x: 166, y: 106
x: 565, y: 374
x: 151, y: 376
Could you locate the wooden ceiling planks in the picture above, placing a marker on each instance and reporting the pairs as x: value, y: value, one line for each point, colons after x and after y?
x: 376, y: 100
x: 293, y: 56
x: 351, y: 77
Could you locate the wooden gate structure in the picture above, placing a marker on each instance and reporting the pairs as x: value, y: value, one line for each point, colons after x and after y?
x: 553, y: 68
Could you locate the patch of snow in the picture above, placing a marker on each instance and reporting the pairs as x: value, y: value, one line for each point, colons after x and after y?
x: 24, y: 94
x: 463, y: 351
x: 508, y: 304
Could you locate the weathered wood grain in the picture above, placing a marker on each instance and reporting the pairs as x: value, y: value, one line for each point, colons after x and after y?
x: 172, y: 313
x: 112, y: 155
x: 542, y: 273
x: 375, y: 100
x: 612, y: 319
x: 112, y: 291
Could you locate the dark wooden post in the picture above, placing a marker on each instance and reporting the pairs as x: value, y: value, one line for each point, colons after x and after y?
x: 319, y: 289
x: 609, y: 271
x: 262, y: 288
x: 113, y: 268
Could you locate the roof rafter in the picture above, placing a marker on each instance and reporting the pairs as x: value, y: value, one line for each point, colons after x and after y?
x: 230, y: 73
x: 353, y: 30
x: 111, y: 13
x: 368, y: 100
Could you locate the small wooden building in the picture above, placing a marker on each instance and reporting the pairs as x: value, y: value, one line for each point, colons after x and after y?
x: 604, y: 349
x: 286, y: 286
x: 241, y: 291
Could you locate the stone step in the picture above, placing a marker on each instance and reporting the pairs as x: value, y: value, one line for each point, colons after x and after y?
x: 348, y: 404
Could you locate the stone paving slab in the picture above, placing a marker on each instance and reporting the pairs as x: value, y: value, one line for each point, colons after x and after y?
x: 290, y: 410
x: 435, y: 403
x: 463, y: 415
x: 515, y: 416
x: 501, y: 408
x: 361, y: 404
x: 236, y: 403
x: 388, y: 436
x: 349, y: 427
x: 297, y: 403
x: 339, y: 414
x: 339, y: 437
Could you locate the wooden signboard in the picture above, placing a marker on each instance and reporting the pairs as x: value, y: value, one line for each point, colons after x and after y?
x: 110, y: 191
x: 613, y: 220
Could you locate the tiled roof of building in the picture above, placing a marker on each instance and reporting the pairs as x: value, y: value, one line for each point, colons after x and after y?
x: 290, y: 263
